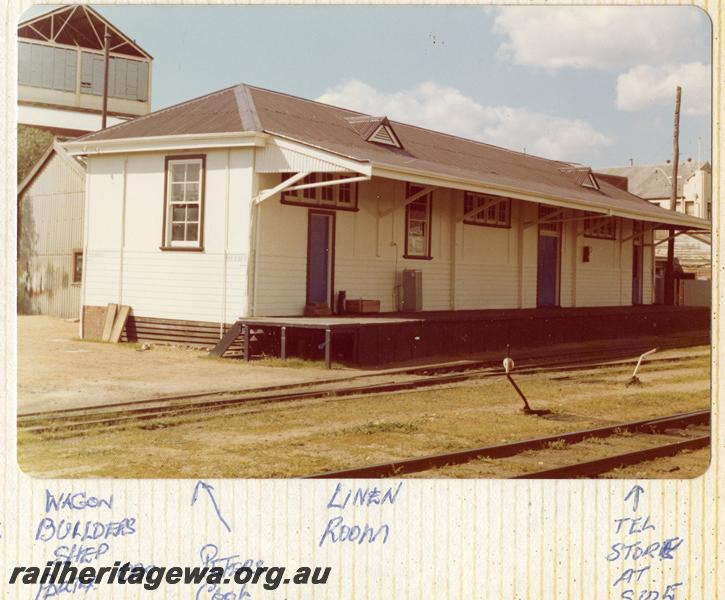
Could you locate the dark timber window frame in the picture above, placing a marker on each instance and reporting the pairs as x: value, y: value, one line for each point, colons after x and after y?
x: 183, y: 246
x: 328, y: 197
x: 77, y: 269
x: 600, y: 228
x: 473, y: 200
x: 427, y: 200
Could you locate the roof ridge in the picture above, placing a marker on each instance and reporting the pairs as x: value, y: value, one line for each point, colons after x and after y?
x: 88, y: 136
x: 247, y: 109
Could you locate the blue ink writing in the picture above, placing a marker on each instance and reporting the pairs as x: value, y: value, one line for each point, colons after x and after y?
x: 363, y: 497
x: 209, y: 489
x: 635, y: 549
x: 78, y: 501
x: 336, y: 532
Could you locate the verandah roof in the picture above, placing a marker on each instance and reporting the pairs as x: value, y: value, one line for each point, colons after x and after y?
x: 435, y: 157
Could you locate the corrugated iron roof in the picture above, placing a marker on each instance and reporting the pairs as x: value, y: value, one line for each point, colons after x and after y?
x: 246, y: 108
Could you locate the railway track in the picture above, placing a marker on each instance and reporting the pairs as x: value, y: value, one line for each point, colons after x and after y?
x: 690, y: 426
x: 394, y: 380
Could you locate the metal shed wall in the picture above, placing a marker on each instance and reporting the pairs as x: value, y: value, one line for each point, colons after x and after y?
x: 50, y: 228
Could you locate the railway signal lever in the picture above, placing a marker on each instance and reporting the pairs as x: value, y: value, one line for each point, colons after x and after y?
x: 508, y: 365
x: 634, y: 380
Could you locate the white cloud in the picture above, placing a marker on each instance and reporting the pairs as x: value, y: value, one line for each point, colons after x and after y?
x: 446, y: 109
x: 645, y: 85
x: 600, y: 37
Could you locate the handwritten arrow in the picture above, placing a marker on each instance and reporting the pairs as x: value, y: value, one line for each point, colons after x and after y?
x: 209, y: 489
x: 635, y: 491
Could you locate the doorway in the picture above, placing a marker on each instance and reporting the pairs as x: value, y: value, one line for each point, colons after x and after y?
x: 549, y: 261
x: 320, y: 257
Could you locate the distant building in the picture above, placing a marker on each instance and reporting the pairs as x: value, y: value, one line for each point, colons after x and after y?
x: 60, y: 90
x: 694, y: 198
x: 50, y: 235
x: 60, y: 72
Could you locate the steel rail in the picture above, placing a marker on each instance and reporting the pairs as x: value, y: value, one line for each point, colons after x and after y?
x: 425, y: 463
x: 52, y: 422
x: 456, y: 368
x: 595, y: 467
x: 609, y: 357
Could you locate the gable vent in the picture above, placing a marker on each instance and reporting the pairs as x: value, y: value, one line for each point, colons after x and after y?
x: 590, y: 182
x: 383, y: 135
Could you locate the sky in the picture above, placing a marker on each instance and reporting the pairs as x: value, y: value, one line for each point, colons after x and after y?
x: 593, y: 85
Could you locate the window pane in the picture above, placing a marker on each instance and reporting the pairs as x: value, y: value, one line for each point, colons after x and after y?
x: 177, y: 192
x: 177, y: 233
x: 178, y: 213
x: 78, y: 268
x: 417, y: 228
x: 419, y: 210
x: 416, y: 245
x: 192, y: 192
x: 192, y: 232
x: 192, y: 213
x: 192, y: 172
x: 177, y: 172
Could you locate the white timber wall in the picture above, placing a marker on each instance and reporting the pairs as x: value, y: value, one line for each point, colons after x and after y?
x: 50, y: 230
x: 488, y: 269
x: 606, y: 280
x: 473, y: 267
x: 125, y: 264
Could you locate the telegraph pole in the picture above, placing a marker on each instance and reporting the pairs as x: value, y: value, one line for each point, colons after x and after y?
x: 670, y: 267
x: 106, y: 51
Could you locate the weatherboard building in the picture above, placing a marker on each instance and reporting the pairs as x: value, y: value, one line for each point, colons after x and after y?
x: 248, y: 203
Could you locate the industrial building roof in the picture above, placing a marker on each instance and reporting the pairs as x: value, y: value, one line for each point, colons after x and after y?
x: 244, y: 108
x: 78, y: 26
x: 653, y: 182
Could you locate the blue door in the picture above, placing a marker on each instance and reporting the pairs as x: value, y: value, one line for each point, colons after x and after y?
x: 548, y: 270
x: 320, y: 241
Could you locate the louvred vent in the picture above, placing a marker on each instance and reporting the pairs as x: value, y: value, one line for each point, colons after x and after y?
x: 382, y: 136
x: 375, y: 129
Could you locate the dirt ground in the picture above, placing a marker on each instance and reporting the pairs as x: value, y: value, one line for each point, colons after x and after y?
x: 57, y: 370
x: 306, y: 437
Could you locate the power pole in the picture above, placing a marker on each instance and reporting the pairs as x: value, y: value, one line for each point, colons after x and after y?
x: 106, y: 50
x: 670, y: 267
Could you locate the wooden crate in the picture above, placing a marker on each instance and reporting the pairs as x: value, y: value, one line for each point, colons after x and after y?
x: 362, y: 306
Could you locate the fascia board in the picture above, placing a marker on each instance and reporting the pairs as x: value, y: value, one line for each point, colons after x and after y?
x: 527, y: 196
x: 167, y: 143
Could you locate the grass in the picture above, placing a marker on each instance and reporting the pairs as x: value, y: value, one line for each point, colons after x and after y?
x: 557, y: 445
x: 374, y: 427
x: 311, y: 436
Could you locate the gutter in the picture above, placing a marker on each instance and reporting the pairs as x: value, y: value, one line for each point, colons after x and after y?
x: 188, y: 141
